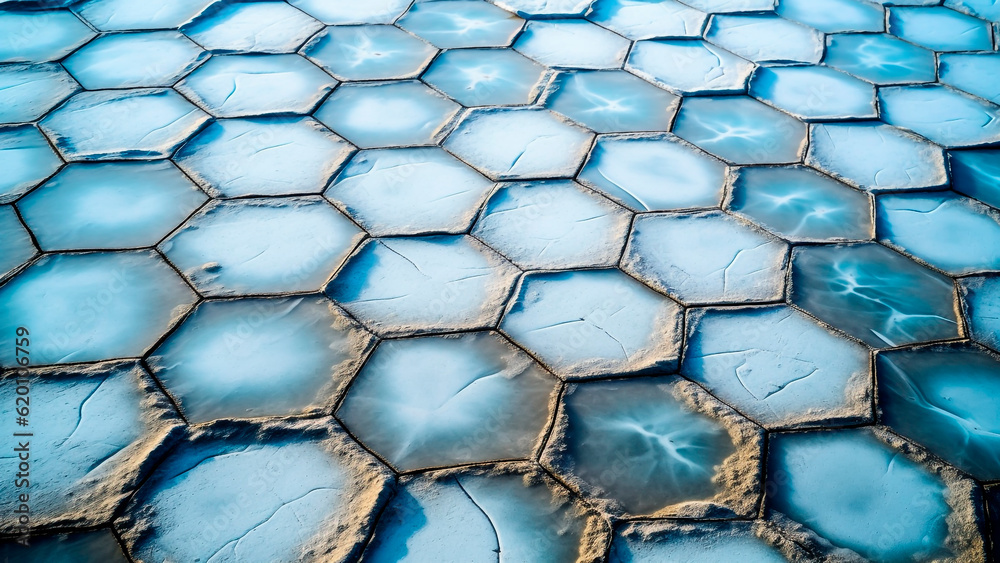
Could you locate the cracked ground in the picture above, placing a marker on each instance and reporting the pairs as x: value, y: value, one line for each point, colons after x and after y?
x: 624, y: 281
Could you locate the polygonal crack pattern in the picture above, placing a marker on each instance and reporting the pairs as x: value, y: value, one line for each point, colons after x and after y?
x: 501, y: 280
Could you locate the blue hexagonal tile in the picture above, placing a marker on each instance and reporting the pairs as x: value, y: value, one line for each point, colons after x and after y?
x: 135, y: 60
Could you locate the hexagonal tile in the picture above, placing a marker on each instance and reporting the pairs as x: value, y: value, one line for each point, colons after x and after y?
x: 123, y: 15
x: 814, y: 92
x: 778, y: 366
x: 875, y: 157
x: 260, y: 27
x: 984, y: 9
x: 706, y: 257
x: 945, y: 116
x: 977, y: 174
x: 276, y: 156
x: 413, y: 285
x: 801, y: 205
x: 832, y: 16
x: 944, y: 398
x: 546, y: 8
x: 847, y: 486
x: 250, y: 358
x: 94, y: 306
x: 102, y: 424
x: 611, y: 101
x: 874, y: 294
x: 971, y: 72
x: 950, y: 232
x: 689, y: 66
x: 879, y: 58
x: 116, y: 124
x: 110, y: 205
x: 656, y: 446
x: 31, y: 90
x: 766, y: 38
x: 348, y: 13
x: 553, y: 225
x: 441, y: 194
x: 26, y: 159
x: 262, y: 246
x: 447, y: 400
x: 939, y: 28
x: 981, y: 300
x: 507, y: 144
x: 16, y: 246
x: 461, y: 24
x: 741, y: 130
x: 282, y: 483
x: 22, y: 39
x: 594, y: 322
x: 135, y: 60
x: 478, y: 512
x: 387, y: 114
x: 486, y: 77
x: 248, y: 85
x: 654, y: 172
x: 645, y: 20
x: 726, y: 6
x: 572, y: 44
x: 369, y: 52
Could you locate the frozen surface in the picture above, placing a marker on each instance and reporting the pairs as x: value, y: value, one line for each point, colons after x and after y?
x: 482, y: 517
x: 879, y: 58
x: 369, y: 52
x: 777, y: 366
x: 84, y: 547
x: 116, y: 124
x: 31, y: 90
x: 461, y: 23
x: 442, y: 194
x: 953, y: 233
x: 641, y: 19
x: 249, y: 358
x: 977, y: 174
x: 832, y: 16
x: 119, y: 15
x: 93, y: 306
x: 766, y: 38
x: 549, y: 225
x: 875, y: 157
x: 706, y: 258
x: 447, y: 400
x: 259, y: 246
x: 874, y: 294
x: 971, y: 73
x: 801, y: 205
x: 611, y: 101
x: 572, y: 44
x: 814, y: 92
x: 654, y: 173
x: 278, y: 156
x: 740, y: 130
x: 387, y: 114
x: 640, y: 446
x: 26, y: 159
x: 35, y: 37
x: 940, y: 29
x: 406, y: 285
x: 342, y: 13
x: 245, y: 85
x: 945, y: 398
x: 947, y: 117
x: 16, y: 246
x: 982, y: 303
x: 100, y: 427
x: 283, y: 485
x: 483, y: 77
x: 262, y: 27
x: 135, y: 60
x: 689, y: 66
x: 109, y: 205
x: 596, y: 322
x: 509, y: 144
x: 848, y: 486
